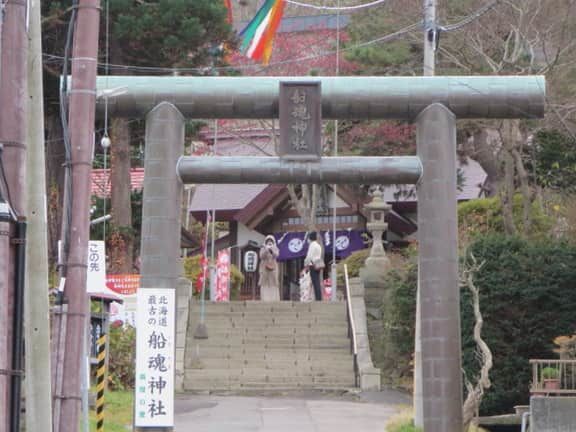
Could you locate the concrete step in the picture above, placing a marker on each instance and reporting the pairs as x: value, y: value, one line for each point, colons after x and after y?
x: 284, y: 308
x: 215, y: 387
x: 265, y: 382
x: 269, y: 317
x: 311, y: 366
x: 263, y: 347
x: 220, y: 330
x: 260, y: 375
x: 283, y: 345
x: 274, y: 307
x: 234, y: 333
x: 296, y: 325
x: 260, y: 336
x: 261, y: 350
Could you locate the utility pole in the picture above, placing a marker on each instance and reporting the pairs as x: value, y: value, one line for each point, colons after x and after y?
x: 429, y: 70
x: 81, y: 123
x: 13, y: 138
x: 430, y: 37
x: 36, y: 306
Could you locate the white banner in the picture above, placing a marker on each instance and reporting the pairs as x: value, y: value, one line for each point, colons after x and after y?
x: 155, y: 352
x: 96, y: 272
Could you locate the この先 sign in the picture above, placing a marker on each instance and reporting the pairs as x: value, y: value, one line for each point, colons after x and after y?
x: 155, y: 351
x: 96, y: 272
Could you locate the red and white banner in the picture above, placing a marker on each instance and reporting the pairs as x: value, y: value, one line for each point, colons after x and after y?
x: 123, y: 284
x: 223, y: 276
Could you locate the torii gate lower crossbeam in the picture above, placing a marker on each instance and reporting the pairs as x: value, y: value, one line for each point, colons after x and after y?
x: 433, y: 102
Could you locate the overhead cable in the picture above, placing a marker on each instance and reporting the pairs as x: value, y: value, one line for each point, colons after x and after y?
x: 471, y: 18
x: 336, y: 8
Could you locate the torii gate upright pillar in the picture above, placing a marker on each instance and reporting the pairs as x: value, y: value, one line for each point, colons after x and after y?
x: 160, y: 244
x: 438, y: 270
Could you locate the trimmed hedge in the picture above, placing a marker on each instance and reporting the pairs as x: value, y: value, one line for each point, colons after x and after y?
x: 527, y: 299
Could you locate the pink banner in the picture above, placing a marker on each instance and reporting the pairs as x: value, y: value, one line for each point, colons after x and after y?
x: 223, y: 276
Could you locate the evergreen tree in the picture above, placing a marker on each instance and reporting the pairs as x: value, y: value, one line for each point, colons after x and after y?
x: 143, y: 33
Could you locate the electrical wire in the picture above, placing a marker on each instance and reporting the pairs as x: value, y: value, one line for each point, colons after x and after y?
x: 107, y: 71
x: 480, y: 12
x: 335, y: 186
x: 336, y: 8
x: 68, y: 196
x: 51, y: 58
x: 150, y: 69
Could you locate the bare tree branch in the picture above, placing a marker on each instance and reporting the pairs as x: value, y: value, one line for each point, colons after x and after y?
x: 475, y: 392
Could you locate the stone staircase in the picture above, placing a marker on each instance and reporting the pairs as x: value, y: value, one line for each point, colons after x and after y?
x: 269, y: 346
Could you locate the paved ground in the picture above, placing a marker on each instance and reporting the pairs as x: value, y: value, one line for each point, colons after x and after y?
x: 300, y: 412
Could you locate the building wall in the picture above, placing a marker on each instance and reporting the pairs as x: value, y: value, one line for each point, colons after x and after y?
x: 245, y: 234
x: 553, y: 414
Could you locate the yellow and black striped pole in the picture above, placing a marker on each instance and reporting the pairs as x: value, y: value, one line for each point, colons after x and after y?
x: 100, y: 377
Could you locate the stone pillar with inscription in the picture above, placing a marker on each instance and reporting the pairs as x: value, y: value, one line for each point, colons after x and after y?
x: 300, y: 112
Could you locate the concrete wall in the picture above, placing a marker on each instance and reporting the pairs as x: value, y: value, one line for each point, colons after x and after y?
x: 553, y: 414
x: 369, y: 375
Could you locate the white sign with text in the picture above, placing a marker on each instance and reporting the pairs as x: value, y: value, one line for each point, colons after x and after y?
x: 155, y: 352
x: 96, y: 272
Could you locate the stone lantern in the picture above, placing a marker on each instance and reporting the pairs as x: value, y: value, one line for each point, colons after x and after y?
x: 377, y: 263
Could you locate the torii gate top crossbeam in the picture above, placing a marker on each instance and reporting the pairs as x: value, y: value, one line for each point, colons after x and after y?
x: 342, y: 97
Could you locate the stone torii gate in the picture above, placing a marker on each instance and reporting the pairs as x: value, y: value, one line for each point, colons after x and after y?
x: 433, y: 103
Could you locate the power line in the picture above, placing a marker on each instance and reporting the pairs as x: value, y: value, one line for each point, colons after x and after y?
x: 336, y: 8
x: 51, y: 58
x: 471, y: 18
x: 385, y: 38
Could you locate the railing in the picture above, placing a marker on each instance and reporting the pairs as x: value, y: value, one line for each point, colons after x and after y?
x: 351, y: 327
x: 553, y: 377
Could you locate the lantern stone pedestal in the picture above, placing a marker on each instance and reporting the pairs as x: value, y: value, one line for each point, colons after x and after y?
x: 377, y: 264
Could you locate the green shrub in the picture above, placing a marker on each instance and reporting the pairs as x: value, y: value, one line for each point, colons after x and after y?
x: 483, y: 216
x: 555, y: 160
x: 354, y: 262
x: 398, y: 314
x: 192, y: 271
x: 236, y: 281
x: 550, y: 373
x: 402, y: 421
x: 122, y: 354
x: 527, y: 298
x: 405, y: 427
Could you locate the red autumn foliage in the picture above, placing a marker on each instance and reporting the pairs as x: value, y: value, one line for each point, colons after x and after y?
x: 378, y: 138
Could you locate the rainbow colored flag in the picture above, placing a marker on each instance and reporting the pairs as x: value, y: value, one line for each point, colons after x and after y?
x: 258, y: 35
